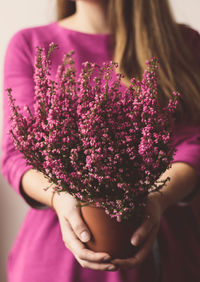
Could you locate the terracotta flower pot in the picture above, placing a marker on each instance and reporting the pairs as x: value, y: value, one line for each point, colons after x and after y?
x: 108, y: 235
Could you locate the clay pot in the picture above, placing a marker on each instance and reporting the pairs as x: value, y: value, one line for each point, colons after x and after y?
x: 108, y: 235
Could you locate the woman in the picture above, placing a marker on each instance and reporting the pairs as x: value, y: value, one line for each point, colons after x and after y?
x: 50, y: 245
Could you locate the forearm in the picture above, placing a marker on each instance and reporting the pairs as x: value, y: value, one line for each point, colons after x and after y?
x: 34, y: 184
x: 183, y: 182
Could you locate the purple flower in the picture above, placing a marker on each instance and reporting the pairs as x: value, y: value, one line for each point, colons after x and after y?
x: 100, y: 144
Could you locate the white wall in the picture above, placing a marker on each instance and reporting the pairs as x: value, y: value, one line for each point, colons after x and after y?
x: 187, y: 11
x: 15, y: 15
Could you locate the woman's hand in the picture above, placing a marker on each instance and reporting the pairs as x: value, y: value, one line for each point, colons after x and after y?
x: 75, y: 233
x: 145, y: 235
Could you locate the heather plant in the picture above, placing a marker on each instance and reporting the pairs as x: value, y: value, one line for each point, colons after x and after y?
x: 104, y: 145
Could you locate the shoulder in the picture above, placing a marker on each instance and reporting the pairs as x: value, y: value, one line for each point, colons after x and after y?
x: 34, y: 33
x: 24, y: 41
x: 190, y: 35
x: 188, y: 32
x: 191, y: 38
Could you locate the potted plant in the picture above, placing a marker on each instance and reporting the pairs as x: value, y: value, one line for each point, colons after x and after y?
x: 104, y: 146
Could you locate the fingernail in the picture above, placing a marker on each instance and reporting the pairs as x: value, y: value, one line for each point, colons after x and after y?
x: 135, y: 242
x: 85, y: 237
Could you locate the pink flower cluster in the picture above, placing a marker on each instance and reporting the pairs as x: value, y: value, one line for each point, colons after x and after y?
x: 100, y: 144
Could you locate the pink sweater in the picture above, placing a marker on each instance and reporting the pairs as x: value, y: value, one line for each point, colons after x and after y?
x: 38, y: 253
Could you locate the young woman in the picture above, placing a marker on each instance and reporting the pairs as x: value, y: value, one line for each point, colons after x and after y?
x: 50, y: 245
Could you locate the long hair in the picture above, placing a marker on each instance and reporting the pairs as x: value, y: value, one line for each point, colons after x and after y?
x: 144, y: 29
x: 65, y: 8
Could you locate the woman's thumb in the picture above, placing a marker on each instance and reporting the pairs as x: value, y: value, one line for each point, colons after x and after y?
x: 79, y: 227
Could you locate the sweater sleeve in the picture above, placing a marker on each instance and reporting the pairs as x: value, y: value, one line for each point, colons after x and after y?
x: 187, y: 136
x: 187, y: 144
x: 18, y: 75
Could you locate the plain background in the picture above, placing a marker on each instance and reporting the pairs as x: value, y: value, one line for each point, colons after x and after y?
x: 15, y: 15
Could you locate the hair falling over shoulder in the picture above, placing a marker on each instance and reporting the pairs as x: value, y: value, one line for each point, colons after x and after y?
x: 144, y: 29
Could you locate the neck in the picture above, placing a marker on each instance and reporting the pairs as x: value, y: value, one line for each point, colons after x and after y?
x: 91, y: 16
